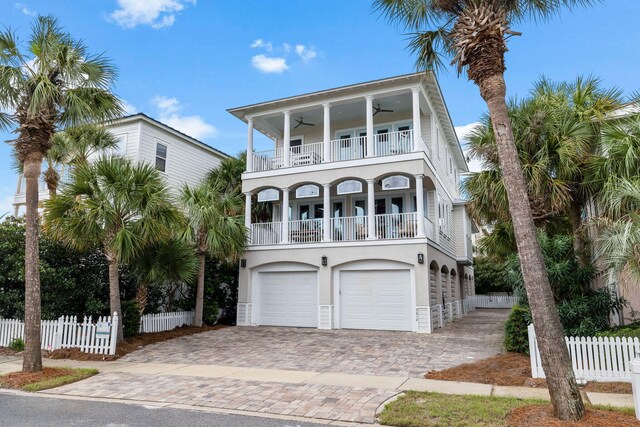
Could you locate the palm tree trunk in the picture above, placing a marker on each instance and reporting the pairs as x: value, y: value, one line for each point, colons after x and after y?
x: 114, y: 292
x: 32, y: 359
x: 141, y: 296
x: 575, y: 218
x: 566, y: 399
x: 200, y: 290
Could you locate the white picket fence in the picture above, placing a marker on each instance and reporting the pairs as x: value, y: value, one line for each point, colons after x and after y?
x: 593, y: 358
x: 66, y: 332
x: 493, y: 301
x: 165, y: 321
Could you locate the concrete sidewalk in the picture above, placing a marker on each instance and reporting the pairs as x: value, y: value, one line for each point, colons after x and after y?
x: 395, y: 384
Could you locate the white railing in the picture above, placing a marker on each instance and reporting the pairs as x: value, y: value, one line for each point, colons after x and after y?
x: 268, y: 160
x: 165, y: 321
x: 349, y: 228
x: 307, y: 154
x: 66, y: 332
x: 429, y: 228
x: 494, y: 301
x: 265, y: 233
x: 396, y: 226
x: 388, y: 144
x: 592, y: 358
x: 305, y: 230
x: 348, y: 148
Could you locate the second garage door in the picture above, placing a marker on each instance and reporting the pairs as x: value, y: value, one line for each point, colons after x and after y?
x: 375, y: 299
x: 288, y: 298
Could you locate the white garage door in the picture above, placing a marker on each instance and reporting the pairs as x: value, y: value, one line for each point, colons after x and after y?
x: 375, y: 299
x: 288, y: 298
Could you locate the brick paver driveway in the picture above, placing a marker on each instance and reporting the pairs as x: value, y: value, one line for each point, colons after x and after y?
x: 395, y: 355
x: 476, y: 336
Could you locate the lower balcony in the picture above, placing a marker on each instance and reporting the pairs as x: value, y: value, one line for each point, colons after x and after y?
x: 341, y: 229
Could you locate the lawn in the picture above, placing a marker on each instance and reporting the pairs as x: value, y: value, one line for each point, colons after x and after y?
x: 423, y: 409
x: 45, y: 379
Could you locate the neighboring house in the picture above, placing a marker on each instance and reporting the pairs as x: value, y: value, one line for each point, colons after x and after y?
x: 179, y: 157
x: 364, y: 226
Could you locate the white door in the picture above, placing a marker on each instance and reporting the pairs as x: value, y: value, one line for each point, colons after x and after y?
x: 288, y: 298
x: 375, y: 299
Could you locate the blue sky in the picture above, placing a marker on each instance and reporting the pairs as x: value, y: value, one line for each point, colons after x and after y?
x: 186, y: 61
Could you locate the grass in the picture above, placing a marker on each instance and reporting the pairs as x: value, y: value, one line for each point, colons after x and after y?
x: 423, y: 409
x: 77, y: 375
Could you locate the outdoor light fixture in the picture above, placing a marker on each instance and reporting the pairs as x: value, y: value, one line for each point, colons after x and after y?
x: 420, y: 258
x: 324, y: 260
x: 243, y: 263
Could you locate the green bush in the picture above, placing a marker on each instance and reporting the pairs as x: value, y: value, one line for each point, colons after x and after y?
x: 631, y: 330
x: 130, y: 318
x: 16, y: 344
x: 516, y: 337
x: 489, y: 276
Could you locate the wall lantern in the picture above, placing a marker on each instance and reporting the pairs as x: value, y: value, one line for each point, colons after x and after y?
x: 243, y: 263
x: 324, y: 260
x: 420, y: 258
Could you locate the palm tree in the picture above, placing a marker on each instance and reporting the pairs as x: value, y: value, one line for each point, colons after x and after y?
x: 228, y: 175
x: 53, y: 82
x: 115, y: 205
x: 215, y: 227
x: 474, y: 33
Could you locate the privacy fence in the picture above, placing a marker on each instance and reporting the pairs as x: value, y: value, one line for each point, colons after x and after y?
x: 593, y: 358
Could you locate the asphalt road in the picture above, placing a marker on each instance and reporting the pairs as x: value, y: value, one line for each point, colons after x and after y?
x: 20, y: 410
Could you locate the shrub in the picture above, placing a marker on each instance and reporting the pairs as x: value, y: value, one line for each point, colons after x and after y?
x: 631, y: 330
x: 17, y: 344
x: 130, y: 318
x: 516, y: 337
x: 586, y: 315
x: 489, y: 276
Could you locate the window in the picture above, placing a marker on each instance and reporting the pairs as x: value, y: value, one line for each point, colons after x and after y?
x: 268, y: 195
x: 349, y: 186
x: 395, y: 182
x: 307, y: 191
x: 161, y: 157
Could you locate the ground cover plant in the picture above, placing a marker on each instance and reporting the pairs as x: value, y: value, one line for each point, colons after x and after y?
x: 44, y: 379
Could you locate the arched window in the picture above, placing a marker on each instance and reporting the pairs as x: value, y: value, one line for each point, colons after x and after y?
x: 395, y: 182
x: 308, y: 190
x: 268, y: 195
x: 349, y: 186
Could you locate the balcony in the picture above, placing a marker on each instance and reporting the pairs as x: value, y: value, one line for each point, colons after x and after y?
x: 342, y: 229
x: 385, y: 144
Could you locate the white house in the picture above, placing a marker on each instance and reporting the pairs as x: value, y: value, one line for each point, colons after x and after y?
x: 364, y: 227
x: 181, y: 158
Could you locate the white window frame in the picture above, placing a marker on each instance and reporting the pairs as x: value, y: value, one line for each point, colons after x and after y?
x: 166, y: 157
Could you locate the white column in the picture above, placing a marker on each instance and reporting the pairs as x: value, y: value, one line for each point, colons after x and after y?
x: 327, y: 132
x: 249, y: 145
x: 371, y: 209
x: 285, y: 216
x: 417, y: 127
x: 370, y: 151
x: 420, y: 205
x: 326, y: 214
x: 287, y: 139
x: 247, y: 210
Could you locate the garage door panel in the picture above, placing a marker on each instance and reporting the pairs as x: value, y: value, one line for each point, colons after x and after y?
x: 288, y: 299
x: 375, y: 299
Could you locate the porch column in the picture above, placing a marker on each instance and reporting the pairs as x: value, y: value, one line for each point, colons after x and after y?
x: 249, y: 145
x: 327, y: 132
x: 287, y: 139
x: 371, y: 208
x: 247, y: 210
x: 420, y: 205
x: 370, y: 150
x: 417, y: 126
x: 326, y: 214
x: 285, y: 216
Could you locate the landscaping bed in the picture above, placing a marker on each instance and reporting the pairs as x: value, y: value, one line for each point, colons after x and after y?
x: 45, y: 379
x: 513, y: 369
x: 423, y: 409
x: 132, y: 344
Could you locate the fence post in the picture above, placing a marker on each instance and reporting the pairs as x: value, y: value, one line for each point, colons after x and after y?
x: 533, y: 349
x: 57, y: 339
x: 113, y: 337
x: 635, y: 385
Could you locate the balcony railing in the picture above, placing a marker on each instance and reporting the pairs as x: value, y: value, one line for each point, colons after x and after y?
x: 389, y: 144
x: 268, y: 160
x: 396, y: 226
x: 305, y: 230
x: 265, y: 233
x: 349, y: 228
x: 307, y: 154
x: 348, y: 148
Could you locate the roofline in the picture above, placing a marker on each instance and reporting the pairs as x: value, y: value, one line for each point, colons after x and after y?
x: 326, y: 91
x: 151, y: 120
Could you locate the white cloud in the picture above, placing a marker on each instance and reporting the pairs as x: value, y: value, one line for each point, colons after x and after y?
x: 155, y: 13
x: 6, y: 203
x: 24, y: 9
x: 463, y: 132
x: 269, y: 64
x: 259, y: 43
x: 286, y: 47
x: 194, y: 126
x: 305, y: 53
x: 129, y: 108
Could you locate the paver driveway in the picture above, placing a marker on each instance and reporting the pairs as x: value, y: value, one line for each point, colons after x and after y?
x: 476, y: 336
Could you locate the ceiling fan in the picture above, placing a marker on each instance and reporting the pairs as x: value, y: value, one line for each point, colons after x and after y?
x: 379, y: 109
x: 301, y: 122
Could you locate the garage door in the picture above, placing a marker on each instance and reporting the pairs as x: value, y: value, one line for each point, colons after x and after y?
x: 375, y: 299
x: 288, y: 298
